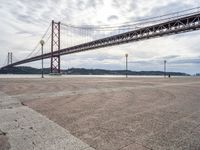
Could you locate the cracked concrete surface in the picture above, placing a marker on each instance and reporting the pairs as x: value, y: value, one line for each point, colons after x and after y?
x: 28, y: 130
x: 106, y: 113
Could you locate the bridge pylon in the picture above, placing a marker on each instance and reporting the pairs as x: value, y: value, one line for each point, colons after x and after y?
x: 9, y: 58
x: 55, y: 46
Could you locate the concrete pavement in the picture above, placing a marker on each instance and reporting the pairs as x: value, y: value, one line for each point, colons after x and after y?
x: 24, y: 129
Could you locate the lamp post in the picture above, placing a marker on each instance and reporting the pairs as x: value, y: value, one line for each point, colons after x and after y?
x: 42, y: 44
x: 8, y: 61
x: 126, y: 55
x: 165, y: 62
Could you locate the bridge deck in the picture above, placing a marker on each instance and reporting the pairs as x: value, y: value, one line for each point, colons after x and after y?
x: 186, y: 23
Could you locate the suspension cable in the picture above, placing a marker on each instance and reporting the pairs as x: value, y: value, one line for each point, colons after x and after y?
x: 43, y: 36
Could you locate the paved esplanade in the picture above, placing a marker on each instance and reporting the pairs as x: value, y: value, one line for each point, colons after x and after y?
x: 106, y: 113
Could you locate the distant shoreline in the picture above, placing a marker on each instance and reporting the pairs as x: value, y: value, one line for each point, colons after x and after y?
x: 82, y: 71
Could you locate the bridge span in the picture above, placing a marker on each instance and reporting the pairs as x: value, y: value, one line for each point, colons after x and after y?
x: 180, y: 24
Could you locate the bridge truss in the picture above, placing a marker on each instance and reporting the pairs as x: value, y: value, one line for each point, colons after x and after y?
x: 175, y: 25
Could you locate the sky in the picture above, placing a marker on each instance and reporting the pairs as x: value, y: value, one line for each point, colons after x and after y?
x: 23, y: 22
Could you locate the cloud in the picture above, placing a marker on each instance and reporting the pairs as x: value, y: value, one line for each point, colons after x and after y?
x: 186, y: 61
x: 112, y: 18
x: 170, y: 57
x: 86, y: 4
x: 168, y: 8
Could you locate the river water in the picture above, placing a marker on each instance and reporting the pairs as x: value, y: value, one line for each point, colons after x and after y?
x: 70, y: 76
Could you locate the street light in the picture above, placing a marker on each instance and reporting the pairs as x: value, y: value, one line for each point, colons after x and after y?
x: 42, y: 44
x: 126, y: 55
x: 165, y: 62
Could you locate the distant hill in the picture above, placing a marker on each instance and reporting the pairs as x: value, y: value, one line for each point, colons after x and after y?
x: 22, y: 70
x: 83, y: 71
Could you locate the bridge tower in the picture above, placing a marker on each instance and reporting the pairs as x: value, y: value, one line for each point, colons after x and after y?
x: 9, y: 58
x: 55, y: 46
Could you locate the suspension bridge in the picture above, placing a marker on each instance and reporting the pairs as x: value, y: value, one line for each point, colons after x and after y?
x: 64, y: 39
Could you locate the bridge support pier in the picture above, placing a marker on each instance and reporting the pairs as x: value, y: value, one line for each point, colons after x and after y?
x: 55, y: 46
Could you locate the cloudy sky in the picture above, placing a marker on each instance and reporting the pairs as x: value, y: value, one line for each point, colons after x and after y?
x: 23, y: 22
